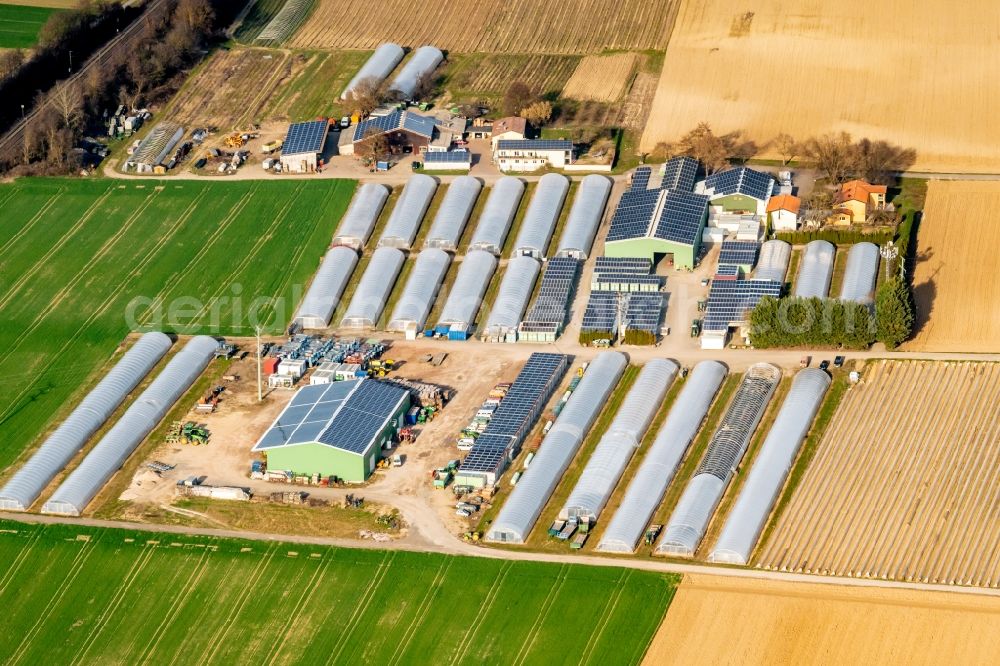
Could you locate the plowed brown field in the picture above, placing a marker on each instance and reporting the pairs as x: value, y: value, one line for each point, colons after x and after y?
x: 717, y: 620
x: 912, y: 72
x: 602, y: 78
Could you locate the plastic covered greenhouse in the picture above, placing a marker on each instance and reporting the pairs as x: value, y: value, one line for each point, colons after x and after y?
x: 512, y: 297
x: 815, y: 270
x: 647, y: 488
x: 424, y: 61
x: 408, y: 213
x: 136, y: 423
x: 759, y: 493
x: 542, y: 215
x: 772, y: 264
x: 860, y: 273
x: 474, y: 275
x: 72, y: 434
x: 687, y: 523
x: 378, y: 67
x: 327, y: 287
x: 451, y: 218
x: 563, y: 440
x: 422, y: 286
x: 374, y: 288
x: 497, y: 215
x: 359, y: 220
x: 584, y: 217
x: 619, y: 442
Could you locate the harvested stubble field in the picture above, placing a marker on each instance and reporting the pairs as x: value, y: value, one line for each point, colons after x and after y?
x: 89, y: 595
x: 80, y: 262
x: 718, y: 620
x: 903, y: 482
x: 955, y: 280
x: 770, y: 67
x: 231, y: 89
x: 602, y: 78
x: 486, y: 76
x: 314, y: 90
x: 517, y: 26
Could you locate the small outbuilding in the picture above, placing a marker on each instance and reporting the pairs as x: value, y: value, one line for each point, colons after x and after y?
x: 303, y: 146
x: 783, y: 212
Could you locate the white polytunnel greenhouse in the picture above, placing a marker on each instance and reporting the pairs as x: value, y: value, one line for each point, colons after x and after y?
x: 497, y: 216
x: 562, y: 442
x: 424, y: 61
x: 512, y: 296
x: 647, y: 488
x: 421, y: 287
x: 327, y: 287
x: 687, y: 524
x: 452, y: 216
x: 377, y: 68
x: 359, y: 220
x: 460, y: 310
x: 541, y: 217
x: 619, y: 442
x: 764, y: 482
x: 772, y: 264
x: 408, y: 213
x: 860, y: 273
x: 584, y: 217
x: 815, y: 270
x: 72, y: 434
x: 374, y: 288
x: 108, y: 455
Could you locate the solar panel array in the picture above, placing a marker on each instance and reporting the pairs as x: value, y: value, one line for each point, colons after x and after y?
x: 682, y: 217
x: 624, y: 274
x: 601, y: 313
x: 644, y: 311
x: 306, y: 416
x: 731, y: 271
x: 634, y: 212
x: 517, y: 413
x: 363, y: 416
x: 640, y: 178
x: 739, y: 253
x: 741, y: 180
x: 680, y: 173
x: 307, y: 137
x: 534, y: 144
x: 449, y: 157
x: 623, y: 265
x: 729, y: 301
x: 554, y: 294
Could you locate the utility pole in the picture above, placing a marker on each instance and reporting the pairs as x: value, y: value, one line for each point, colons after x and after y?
x: 260, y: 390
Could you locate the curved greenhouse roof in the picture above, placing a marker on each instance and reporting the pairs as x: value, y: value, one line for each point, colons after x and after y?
x: 512, y: 298
x: 767, y: 476
x: 108, y: 455
x: 72, y: 434
x: 418, y: 295
x: 378, y: 67
x: 860, y: 274
x: 647, y: 488
x: 474, y: 275
x: 374, y: 288
x: 619, y: 442
x: 451, y: 218
x: 687, y: 524
x: 359, y: 220
x: 401, y: 228
x: 560, y: 445
x: 772, y: 263
x: 497, y: 216
x: 815, y: 270
x: 327, y: 287
x: 424, y: 61
x: 543, y: 213
x: 584, y: 217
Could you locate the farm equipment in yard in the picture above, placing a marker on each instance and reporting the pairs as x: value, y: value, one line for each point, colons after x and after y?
x: 579, y: 540
x: 652, y: 533
x: 194, y: 433
x: 557, y: 527
x: 352, y: 502
x: 235, y: 140
x: 568, y: 530
x: 442, y: 477
x: 209, y: 402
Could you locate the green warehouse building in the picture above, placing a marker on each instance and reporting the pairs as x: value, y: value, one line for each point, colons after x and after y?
x: 739, y: 190
x: 336, y: 429
x: 668, y: 220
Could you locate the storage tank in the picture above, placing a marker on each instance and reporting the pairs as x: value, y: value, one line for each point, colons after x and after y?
x: 418, y: 295
x: 452, y: 216
x: 497, y: 216
x: 543, y: 213
x: 512, y: 297
x: 584, y: 217
x: 359, y: 220
x: 404, y: 221
x: 327, y: 287
x: 815, y: 270
x: 424, y: 61
x: 374, y: 288
x: 378, y: 67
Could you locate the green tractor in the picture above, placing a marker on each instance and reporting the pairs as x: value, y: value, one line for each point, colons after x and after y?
x: 195, y: 434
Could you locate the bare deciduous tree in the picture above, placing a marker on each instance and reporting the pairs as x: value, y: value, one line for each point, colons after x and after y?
x: 68, y: 102
x: 787, y: 147
x: 833, y: 154
x: 368, y: 94
x: 517, y: 97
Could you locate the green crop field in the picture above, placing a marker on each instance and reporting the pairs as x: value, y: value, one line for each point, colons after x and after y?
x: 92, y: 595
x: 19, y: 25
x: 315, y: 90
x: 84, y: 262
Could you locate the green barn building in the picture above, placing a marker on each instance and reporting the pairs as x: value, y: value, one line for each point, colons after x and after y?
x: 337, y: 429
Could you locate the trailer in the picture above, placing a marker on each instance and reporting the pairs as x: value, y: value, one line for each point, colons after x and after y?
x: 578, y: 541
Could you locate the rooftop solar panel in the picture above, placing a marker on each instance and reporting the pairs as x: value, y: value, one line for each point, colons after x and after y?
x: 739, y: 253
x: 682, y: 217
x: 450, y: 157
x: 741, y: 180
x: 601, y: 313
x: 680, y: 173
x: 644, y: 311
x: 730, y: 300
x: 307, y: 137
x: 534, y: 144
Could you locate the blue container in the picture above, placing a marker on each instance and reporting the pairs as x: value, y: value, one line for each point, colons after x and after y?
x: 458, y: 335
x: 360, y: 373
